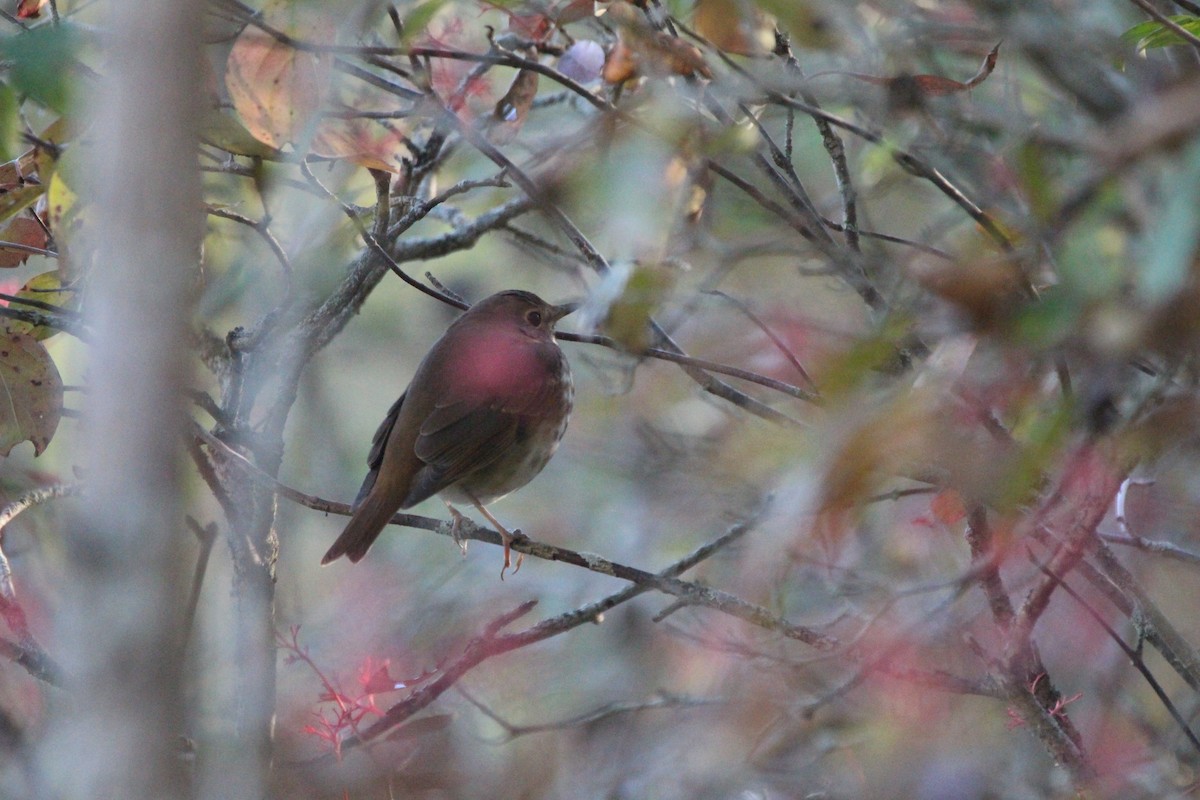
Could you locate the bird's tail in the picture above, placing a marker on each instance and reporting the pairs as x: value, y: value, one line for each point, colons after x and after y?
x: 364, y: 528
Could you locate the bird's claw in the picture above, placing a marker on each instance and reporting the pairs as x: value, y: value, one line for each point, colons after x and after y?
x: 508, y: 539
x: 456, y: 522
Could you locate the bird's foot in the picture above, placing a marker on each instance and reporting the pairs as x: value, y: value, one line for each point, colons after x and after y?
x: 456, y: 523
x: 505, y: 537
x: 509, y: 538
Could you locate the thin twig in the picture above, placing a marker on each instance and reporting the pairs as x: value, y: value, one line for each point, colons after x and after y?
x: 662, y: 700
x: 488, y: 646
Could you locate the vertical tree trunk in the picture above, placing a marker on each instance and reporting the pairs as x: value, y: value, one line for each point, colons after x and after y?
x: 117, y: 630
x: 236, y: 759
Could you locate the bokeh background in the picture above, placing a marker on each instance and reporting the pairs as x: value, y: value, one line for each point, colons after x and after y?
x: 996, y: 374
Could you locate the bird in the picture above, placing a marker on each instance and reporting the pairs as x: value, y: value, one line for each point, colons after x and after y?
x: 483, y: 414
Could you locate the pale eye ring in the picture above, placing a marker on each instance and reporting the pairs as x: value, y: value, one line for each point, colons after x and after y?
x: 534, y: 318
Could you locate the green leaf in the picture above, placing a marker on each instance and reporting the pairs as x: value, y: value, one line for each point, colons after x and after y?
x: 15, y: 200
x: 42, y: 59
x: 418, y: 19
x: 223, y: 131
x: 1051, y: 320
x: 9, y: 143
x: 1153, y: 34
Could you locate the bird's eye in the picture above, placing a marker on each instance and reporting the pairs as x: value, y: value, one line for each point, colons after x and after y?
x: 534, y: 318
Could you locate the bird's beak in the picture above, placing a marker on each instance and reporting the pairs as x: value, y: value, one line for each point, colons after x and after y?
x: 558, y: 312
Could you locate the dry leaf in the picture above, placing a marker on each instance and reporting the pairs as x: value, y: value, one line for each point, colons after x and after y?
x: 512, y: 109
x: 32, y: 392
x: 22, y: 230
x: 735, y: 26
x: 364, y: 142
x: 276, y: 89
x: 30, y: 9
x: 907, y: 90
x: 641, y: 50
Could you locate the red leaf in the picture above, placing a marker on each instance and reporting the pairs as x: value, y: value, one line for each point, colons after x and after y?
x: 30, y: 9
x: 947, y: 506
x: 375, y: 680
x: 22, y: 230
x: 531, y: 26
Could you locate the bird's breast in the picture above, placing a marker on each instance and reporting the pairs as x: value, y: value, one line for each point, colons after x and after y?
x: 500, y: 366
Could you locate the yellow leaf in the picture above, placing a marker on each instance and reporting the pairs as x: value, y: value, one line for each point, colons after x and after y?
x: 30, y: 392
x: 223, y: 131
x: 45, y: 288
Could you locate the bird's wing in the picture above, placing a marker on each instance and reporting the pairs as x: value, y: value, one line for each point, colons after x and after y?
x: 459, y: 439
x: 375, y: 457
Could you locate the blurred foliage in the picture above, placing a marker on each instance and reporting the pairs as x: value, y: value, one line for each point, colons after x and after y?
x: 964, y: 310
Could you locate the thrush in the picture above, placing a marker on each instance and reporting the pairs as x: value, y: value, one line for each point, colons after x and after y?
x: 482, y: 416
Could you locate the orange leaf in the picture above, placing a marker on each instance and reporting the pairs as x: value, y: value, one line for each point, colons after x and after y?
x: 947, y: 507
x: 621, y: 64
x: 30, y: 9
x: 276, y: 89
x: 361, y: 141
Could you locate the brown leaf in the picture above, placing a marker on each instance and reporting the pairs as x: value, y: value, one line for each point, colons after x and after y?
x: 621, y: 64
x: 642, y: 50
x: 575, y: 10
x: 31, y: 390
x: 276, y: 89
x: 531, y: 26
x: 682, y: 58
x: 512, y: 109
x: 22, y: 230
x: 915, y: 86
x: 987, y: 292
x: 735, y: 26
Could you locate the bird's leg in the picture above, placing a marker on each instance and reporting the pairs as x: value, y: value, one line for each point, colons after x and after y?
x: 505, y: 537
x: 456, y: 522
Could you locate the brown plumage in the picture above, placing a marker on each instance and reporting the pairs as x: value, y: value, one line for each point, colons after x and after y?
x: 484, y: 412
